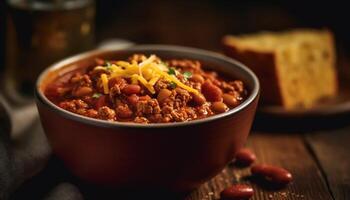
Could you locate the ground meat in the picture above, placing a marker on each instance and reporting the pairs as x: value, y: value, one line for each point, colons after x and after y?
x: 180, y: 114
x: 147, y: 107
x: 142, y: 120
x: 195, y: 85
x: 227, y: 87
x: 81, y: 80
x: 204, y: 110
x: 114, y: 92
x: 183, y: 114
x: 91, y: 113
x: 156, y: 118
x: 123, y: 111
x: 182, y: 98
x: 73, y: 105
x: 238, y: 85
x: 161, y: 84
x: 190, y: 64
x: 106, y: 113
x: 179, y: 98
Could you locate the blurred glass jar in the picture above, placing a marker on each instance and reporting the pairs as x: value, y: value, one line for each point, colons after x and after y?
x: 41, y: 32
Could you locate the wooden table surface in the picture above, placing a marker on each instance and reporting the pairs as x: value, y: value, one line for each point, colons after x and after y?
x: 319, y: 162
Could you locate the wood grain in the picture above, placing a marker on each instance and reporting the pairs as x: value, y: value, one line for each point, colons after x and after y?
x: 288, y: 151
x: 332, y: 149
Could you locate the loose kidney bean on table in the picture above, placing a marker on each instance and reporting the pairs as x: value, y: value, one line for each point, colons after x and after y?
x: 244, y: 157
x: 274, y: 174
x: 237, y: 192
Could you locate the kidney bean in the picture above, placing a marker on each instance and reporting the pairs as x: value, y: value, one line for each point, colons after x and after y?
x: 144, y: 98
x: 131, y: 89
x: 124, y: 112
x: 82, y: 91
x: 133, y: 99
x: 197, y: 78
x: 237, y: 192
x: 163, y: 94
x: 211, y: 92
x: 216, y: 82
x: 199, y: 99
x: 274, y: 174
x: 55, y: 91
x: 219, y: 107
x: 92, y: 113
x: 230, y: 100
x: 101, y: 101
x: 106, y: 113
x: 244, y: 157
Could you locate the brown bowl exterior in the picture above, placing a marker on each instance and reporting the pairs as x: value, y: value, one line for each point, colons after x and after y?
x: 177, y: 157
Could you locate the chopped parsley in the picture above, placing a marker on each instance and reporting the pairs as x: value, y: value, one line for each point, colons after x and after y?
x: 187, y: 75
x: 172, y: 85
x: 96, y: 95
x: 172, y: 71
x: 108, y: 65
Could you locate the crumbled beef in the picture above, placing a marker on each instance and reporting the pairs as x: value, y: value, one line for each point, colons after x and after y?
x: 81, y: 80
x: 73, y: 105
x: 226, y: 87
x: 238, y: 85
x: 147, y: 107
x: 123, y: 111
x: 141, y: 120
x: 106, y: 113
x: 190, y: 64
x: 161, y: 84
x: 204, y: 110
x: 182, y: 98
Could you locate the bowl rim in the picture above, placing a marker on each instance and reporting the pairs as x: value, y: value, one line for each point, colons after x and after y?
x: 40, y: 97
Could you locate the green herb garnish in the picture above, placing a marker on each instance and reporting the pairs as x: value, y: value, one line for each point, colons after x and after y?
x: 187, y: 75
x: 172, y: 85
x: 108, y: 65
x: 96, y: 95
x: 172, y: 71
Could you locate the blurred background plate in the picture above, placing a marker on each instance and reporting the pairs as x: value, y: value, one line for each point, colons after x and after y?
x: 328, y: 107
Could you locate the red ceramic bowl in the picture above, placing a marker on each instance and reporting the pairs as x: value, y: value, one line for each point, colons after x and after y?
x: 174, y: 156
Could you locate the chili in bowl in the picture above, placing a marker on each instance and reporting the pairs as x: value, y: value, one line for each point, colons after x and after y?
x: 145, y: 89
x: 166, y: 117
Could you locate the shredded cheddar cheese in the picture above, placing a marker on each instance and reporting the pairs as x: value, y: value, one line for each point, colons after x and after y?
x: 104, y: 80
x: 147, y: 72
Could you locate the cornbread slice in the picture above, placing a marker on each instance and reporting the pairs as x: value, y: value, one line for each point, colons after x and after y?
x: 295, y: 68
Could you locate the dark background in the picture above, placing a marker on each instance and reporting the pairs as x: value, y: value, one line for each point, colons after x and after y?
x: 201, y: 23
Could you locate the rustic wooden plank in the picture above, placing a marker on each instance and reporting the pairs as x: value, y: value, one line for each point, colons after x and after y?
x: 332, y: 149
x: 283, y: 150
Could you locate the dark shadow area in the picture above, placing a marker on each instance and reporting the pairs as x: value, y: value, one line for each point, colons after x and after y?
x: 55, y: 174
